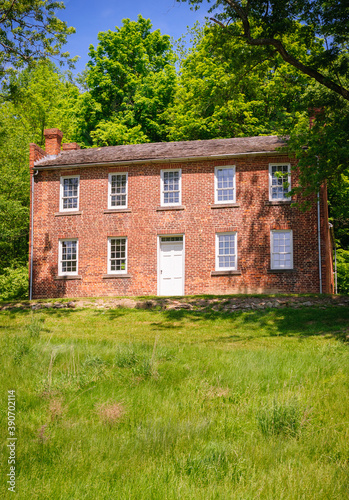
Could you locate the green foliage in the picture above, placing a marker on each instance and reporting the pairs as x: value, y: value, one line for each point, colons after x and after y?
x: 41, y: 97
x: 32, y: 99
x: 268, y: 24
x: 131, y: 79
x: 225, y: 90
x: 30, y: 30
x: 339, y: 208
x: 343, y: 270
x: 14, y: 283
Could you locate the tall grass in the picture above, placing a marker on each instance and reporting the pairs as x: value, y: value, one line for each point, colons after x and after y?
x: 134, y: 404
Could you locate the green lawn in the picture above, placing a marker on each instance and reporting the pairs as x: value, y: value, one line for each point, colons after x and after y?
x: 145, y: 404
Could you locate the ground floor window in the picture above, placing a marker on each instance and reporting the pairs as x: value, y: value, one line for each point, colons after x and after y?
x: 226, y: 251
x: 117, y: 255
x: 281, y: 249
x: 68, y: 257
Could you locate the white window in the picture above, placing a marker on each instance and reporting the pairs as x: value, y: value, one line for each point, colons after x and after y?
x: 117, y: 255
x: 68, y: 257
x: 171, y: 187
x: 69, y: 199
x: 281, y: 249
x: 225, y: 184
x: 279, y: 181
x: 226, y: 251
x: 118, y: 190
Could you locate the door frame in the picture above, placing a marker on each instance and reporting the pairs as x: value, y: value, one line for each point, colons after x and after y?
x: 159, y: 236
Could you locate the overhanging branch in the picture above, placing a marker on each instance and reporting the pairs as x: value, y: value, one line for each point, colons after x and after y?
x: 242, y: 13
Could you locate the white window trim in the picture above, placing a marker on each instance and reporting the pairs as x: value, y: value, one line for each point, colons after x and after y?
x: 284, y: 198
x: 123, y: 271
x: 162, y: 203
x: 67, y: 273
x: 110, y: 206
x: 216, y: 185
x: 217, y: 268
x: 61, y: 209
x: 272, y: 266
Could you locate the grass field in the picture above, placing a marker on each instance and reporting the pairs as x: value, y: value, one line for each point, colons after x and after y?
x: 145, y: 404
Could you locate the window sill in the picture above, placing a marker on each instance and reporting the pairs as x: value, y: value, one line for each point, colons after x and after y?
x: 279, y: 202
x: 170, y: 207
x: 113, y: 276
x: 226, y: 273
x: 60, y: 214
x: 116, y: 210
x: 68, y: 277
x: 225, y: 205
x: 276, y: 271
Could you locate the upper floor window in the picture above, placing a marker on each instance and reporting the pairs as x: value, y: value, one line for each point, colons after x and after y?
x: 226, y: 252
x: 69, y: 199
x: 118, y: 190
x: 68, y: 257
x: 279, y: 181
x: 171, y: 187
x: 225, y: 184
x: 117, y: 255
x: 281, y: 249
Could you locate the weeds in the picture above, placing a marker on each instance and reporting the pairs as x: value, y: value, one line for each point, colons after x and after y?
x: 280, y: 418
x: 35, y: 327
x: 214, y: 463
x: 20, y: 348
x: 138, y: 358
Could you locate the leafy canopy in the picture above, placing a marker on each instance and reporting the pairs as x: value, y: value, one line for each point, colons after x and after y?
x: 31, y: 100
x: 29, y: 31
x: 268, y: 23
x: 225, y: 89
x: 131, y: 81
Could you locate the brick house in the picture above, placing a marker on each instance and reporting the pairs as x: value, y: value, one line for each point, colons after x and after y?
x: 181, y: 218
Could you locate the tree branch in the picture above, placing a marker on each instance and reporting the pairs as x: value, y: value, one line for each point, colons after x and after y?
x: 313, y: 73
x: 5, y: 15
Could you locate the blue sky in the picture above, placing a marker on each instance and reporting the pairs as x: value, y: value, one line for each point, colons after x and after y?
x: 89, y: 17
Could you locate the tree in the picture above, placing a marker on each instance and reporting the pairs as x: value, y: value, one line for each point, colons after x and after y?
x: 41, y: 97
x: 29, y: 31
x: 32, y: 99
x: 224, y: 90
x: 131, y: 80
x: 268, y: 23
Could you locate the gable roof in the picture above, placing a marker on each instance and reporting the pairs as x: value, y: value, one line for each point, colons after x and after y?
x: 164, y: 151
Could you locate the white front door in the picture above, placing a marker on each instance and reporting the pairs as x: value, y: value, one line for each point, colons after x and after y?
x: 171, y: 265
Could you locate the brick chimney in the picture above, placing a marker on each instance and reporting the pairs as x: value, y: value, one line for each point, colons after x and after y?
x: 70, y: 146
x: 53, y: 139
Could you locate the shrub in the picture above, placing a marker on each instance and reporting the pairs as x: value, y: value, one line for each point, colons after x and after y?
x: 14, y: 283
x: 343, y: 270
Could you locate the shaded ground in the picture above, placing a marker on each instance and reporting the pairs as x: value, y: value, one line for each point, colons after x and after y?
x: 224, y: 303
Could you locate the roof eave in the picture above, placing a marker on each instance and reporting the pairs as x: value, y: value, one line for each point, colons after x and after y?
x: 159, y: 160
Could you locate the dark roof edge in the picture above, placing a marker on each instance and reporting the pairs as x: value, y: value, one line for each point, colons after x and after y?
x: 160, y: 160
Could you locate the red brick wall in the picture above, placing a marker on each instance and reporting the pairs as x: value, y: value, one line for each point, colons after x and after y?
x: 253, y: 220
